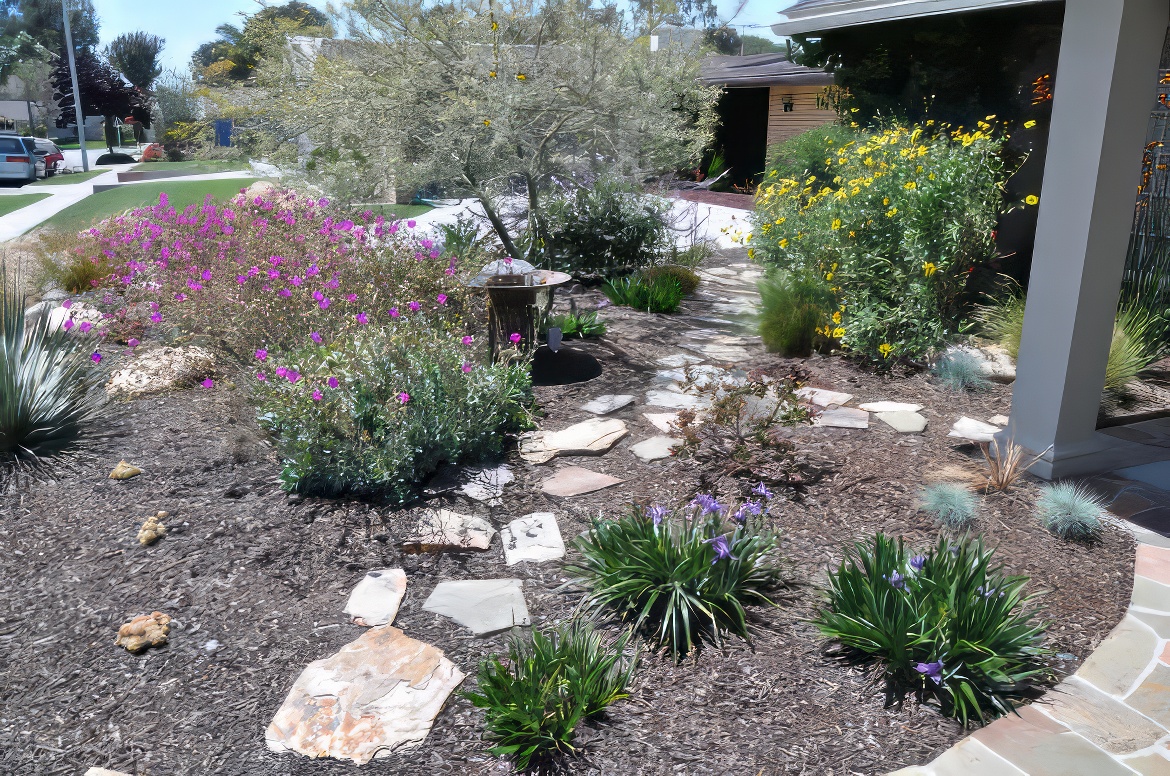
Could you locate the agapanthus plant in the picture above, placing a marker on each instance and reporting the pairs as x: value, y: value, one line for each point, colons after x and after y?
x: 947, y: 625
x: 682, y: 576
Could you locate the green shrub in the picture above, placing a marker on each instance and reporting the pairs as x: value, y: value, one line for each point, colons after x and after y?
x: 794, y: 308
x: 604, y: 230
x: 807, y: 154
x: 462, y: 238
x: 895, y: 227
x: 660, y: 295
x: 960, y: 371
x: 946, y: 625
x: 1003, y: 322
x: 49, y: 384
x: 1070, y: 511
x: 687, y: 280
x: 577, y: 325
x: 682, y: 577
x: 403, y: 404
x: 952, y: 505
x: 535, y: 700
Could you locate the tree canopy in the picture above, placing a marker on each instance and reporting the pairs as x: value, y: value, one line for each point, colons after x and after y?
x: 103, y: 91
x: 236, y: 53
x: 136, y: 55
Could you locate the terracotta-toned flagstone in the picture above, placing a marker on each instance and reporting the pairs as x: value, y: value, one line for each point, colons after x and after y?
x: 1153, y: 563
x: 1037, y: 744
x: 1104, y: 720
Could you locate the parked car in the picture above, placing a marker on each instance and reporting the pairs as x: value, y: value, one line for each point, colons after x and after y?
x: 49, y: 157
x: 17, y: 158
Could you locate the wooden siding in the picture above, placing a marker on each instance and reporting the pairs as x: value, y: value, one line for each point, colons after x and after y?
x: 805, y: 114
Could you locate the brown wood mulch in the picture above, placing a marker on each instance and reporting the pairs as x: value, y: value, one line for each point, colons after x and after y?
x: 267, y: 577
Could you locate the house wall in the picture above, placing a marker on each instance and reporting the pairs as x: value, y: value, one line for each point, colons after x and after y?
x: 805, y: 114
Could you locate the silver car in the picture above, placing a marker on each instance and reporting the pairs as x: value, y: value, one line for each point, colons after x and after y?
x: 17, y: 160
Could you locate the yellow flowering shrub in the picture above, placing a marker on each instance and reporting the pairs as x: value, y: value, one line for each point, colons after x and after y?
x: 896, y: 220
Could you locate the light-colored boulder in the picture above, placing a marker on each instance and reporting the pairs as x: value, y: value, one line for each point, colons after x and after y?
x: 376, y: 598
x: 161, y: 369
x: 376, y: 696
x: 482, y: 605
x: 655, y: 448
x: 535, y: 537
x: 575, y: 481
x: 994, y: 361
x: 443, y: 529
x: 591, y: 437
x: 999, y: 420
x: 973, y: 430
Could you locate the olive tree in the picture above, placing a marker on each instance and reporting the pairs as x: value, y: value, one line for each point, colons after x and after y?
x: 502, y: 102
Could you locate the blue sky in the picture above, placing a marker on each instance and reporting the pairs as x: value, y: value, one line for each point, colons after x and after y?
x: 188, y: 24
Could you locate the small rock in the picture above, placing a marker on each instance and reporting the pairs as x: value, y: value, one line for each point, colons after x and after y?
x: 999, y: 420
x: 655, y: 448
x: 376, y: 598
x: 822, y: 397
x: 152, y: 530
x: 889, y: 406
x: 482, y: 605
x: 842, y: 417
x: 973, y: 430
x: 603, y: 405
x: 591, y: 437
x: 903, y: 422
x: 124, y: 471
x: 666, y: 422
x: 575, y: 480
x: 211, y: 645
x: 145, y: 630
x: 535, y: 537
x: 447, y: 530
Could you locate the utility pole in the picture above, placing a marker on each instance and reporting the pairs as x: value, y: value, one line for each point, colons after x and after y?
x: 76, y: 91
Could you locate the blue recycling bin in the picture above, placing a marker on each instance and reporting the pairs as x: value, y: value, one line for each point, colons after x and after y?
x: 223, y: 132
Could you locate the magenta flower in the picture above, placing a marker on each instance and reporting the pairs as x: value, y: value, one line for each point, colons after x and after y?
x: 316, y: 337
x: 296, y: 280
x: 324, y: 303
x: 155, y: 318
x: 67, y: 303
x: 332, y: 382
x: 282, y: 371
x: 317, y: 395
x: 85, y: 327
x: 414, y: 307
x: 312, y: 270
x: 410, y: 224
x: 241, y: 279
x: 262, y: 377
x: 96, y: 358
x: 403, y: 397
x: 318, y: 295
x: 285, y: 292
x: 466, y: 367
x: 132, y: 343
x: 68, y: 324
x: 208, y: 383
x: 393, y: 311
x: 261, y: 354
x: 292, y: 376
x: 180, y: 297
x: 362, y: 319
x: 206, y: 274
x: 441, y: 299
x: 467, y: 340
x: 351, y: 297
x: 515, y: 338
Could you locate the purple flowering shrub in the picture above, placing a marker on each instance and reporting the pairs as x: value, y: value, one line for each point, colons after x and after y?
x: 946, y: 625
x: 682, y: 576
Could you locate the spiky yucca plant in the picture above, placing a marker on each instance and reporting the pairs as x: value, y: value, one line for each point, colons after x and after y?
x: 47, y: 379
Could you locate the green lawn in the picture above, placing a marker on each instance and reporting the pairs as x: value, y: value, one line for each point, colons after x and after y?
x: 108, y: 203
x: 14, y: 202
x: 66, y: 178
x: 397, y: 211
x: 195, y: 166
x: 91, y: 145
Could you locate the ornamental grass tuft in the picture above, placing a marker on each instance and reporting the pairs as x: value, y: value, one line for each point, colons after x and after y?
x: 947, y: 626
x: 684, y: 576
x: 1070, y: 511
x: 951, y: 504
x: 658, y: 294
x: 960, y: 371
x: 794, y: 309
x: 535, y: 699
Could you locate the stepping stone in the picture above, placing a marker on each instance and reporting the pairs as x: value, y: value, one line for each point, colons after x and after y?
x: 482, y: 605
x: 535, y: 537
x: 822, y: 397
x: 679, y: 359
x: 487, y: 485
x: 447, y: 530
x: 376, y: 598
x: 670, y: 376
x: 574, y: 481
x: 655, y: 448
x: 667, y: 422
x: 610, y: 402
x: 903, y: 422
x: 376, y: 696
x: 732, y: 353
x: 842, y: 417
x: 673, y: 400
x: 889, y: 406
x: 973, y: 430
x: 999, y: 420
x: 591, y: 437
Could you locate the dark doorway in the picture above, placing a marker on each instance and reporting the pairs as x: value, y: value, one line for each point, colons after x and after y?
x: 742, y: 134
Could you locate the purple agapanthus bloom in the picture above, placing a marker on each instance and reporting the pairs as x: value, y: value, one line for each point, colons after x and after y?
x: 707, y: 503
x: 933, y: 671
x: 722, y: 549
x: 896, y: 580
x: 657, y: 513
x: 762, y: 490
x: 745, y: 509
x: 917, y: 562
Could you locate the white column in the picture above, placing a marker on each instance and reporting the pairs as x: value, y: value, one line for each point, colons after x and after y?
x: 1105, y: 79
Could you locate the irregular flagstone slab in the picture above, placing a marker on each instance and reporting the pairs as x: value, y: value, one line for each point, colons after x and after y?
x: 610, y: 402
x: 535, y: 537
x: 447, y: 530
x: 1121, y: 658
x: 1037, y: 744
x: 591, y: 437
x: 823, y: 397
x: 482, y: 605
x: 903, y: 422
x: 162, y: 369
x: 673, y: 400
x: 842, y: 417
x: 723, y: 352
x: 973, y: 430
x: 575, y: 480
x: 667, y: 422
x: 487, y: 484
x: 376, y: 598
x: 655, y: 448
x: 1105, y: 721
x: 670, y: 375
x: 679, y: 359
x: 889, y: 406
x: 378, y: 695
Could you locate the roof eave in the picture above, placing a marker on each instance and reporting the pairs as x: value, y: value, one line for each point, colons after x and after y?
x: 893, y: 10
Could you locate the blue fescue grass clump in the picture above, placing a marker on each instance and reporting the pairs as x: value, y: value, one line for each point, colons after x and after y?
x: 1070, y: 511
x: 951, y: 505
x: 946, y: 625
x: 960, y: 371
x: 535, y: 699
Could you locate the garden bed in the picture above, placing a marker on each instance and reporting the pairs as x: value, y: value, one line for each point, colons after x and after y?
x: 266, y: 576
